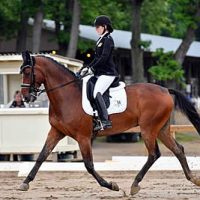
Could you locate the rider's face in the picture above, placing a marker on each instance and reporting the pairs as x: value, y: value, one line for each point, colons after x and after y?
x: 100, y: 29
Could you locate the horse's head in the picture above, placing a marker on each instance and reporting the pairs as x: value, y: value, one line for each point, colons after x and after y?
x: 31, y: 78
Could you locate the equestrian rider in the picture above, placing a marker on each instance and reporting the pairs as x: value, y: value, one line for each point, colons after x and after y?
x: 103, y: 66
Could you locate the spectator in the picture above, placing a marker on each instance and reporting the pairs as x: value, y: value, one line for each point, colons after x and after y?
x: 18, y: 101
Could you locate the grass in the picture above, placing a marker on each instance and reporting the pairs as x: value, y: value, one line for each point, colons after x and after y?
x: 187, y: 137
x: 180, y: 137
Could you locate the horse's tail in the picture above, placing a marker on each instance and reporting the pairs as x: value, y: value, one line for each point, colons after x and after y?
x: 187, y: 108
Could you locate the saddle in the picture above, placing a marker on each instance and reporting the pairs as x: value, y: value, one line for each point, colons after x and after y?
x: 115, y: 97
x: 106, y: 96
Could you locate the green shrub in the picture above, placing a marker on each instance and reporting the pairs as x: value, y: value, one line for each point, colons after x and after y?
x: 167, y: 68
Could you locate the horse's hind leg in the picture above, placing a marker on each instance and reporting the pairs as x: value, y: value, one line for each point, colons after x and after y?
x: 178, y: 151
x: 53, y: 138
x: 153, y: 155
x: 86, y: 151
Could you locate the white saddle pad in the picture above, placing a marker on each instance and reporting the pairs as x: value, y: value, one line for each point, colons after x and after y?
x: 118, y: 99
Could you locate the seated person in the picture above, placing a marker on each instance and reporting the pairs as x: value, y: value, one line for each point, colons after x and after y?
x: 18, y: 101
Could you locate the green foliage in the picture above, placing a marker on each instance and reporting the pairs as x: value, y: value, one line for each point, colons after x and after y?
x: 56, y: 10
x: 182, y: 14
x: 59, y: 11
x: 166, y: 67
x: 145, y: 44
x: 119, y: 12
x: 155, y: 18
x: 166, y: 17
x: 10, y: 12
x: 169, y: 17
x: 84, y: 44
x: 63, y: 37
x: 9, y: 18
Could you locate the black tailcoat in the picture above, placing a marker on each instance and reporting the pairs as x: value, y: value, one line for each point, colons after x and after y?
x: 103, y: 61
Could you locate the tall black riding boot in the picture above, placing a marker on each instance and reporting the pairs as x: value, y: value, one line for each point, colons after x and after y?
x: 102, y: 111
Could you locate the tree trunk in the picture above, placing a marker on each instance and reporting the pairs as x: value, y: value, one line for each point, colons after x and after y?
x: 187, y: 41
x: 22, y: 35
x: 23, y: 27
x: 136, y: 51
x: 185, y: 45
x: 37, y: 28
x: 72, y: 47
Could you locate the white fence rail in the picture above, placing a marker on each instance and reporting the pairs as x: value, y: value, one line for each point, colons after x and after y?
x: 24, y: 130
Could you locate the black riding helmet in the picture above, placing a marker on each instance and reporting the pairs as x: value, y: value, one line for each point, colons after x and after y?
x: 103, y: 20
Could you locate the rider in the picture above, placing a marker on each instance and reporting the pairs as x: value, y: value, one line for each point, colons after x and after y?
x: 103, y: 66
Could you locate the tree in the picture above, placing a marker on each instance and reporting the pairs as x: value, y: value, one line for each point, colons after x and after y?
x: 60, y: 12
x: 93, y: 8
x: 23, y: 26
x: 9, y: 16
x: 191, y: 14
x: 37, y: 26
x: 136, y: 51
x: 185, y: 15
x: 156, y: 18
x: 72, y: 47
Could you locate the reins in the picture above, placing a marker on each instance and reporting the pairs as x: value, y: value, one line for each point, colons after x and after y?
x: 78, y: 78
x: 59, y: 86
x: 33, y: 90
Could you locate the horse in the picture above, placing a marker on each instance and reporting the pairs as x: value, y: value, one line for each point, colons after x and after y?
x: 148, y: 106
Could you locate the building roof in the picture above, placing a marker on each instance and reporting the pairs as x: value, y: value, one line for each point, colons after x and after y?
x: 122, y: 40
x: 10, y: 63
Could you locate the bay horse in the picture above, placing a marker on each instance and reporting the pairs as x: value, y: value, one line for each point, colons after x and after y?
x: 148, y: 106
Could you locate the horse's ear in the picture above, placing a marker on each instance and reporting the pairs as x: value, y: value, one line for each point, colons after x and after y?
x: 27, y: 58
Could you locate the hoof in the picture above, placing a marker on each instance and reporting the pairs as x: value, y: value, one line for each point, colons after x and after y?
x: 196, y: 181
x: 134, y: 190
x: 114, y: 186
x: 24, y: 187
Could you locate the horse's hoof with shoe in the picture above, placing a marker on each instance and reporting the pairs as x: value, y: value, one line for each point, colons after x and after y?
x: 114, y: 187
x: 196, y: 181
x: 24, y: 187
x: 134, y: 189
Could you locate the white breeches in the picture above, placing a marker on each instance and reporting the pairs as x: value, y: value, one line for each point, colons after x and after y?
x: 102, y: 84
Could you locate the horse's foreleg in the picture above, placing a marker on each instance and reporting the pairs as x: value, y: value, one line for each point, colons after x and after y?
x: 53, y: 138
x: 154, y: 154
x: 86, y: 151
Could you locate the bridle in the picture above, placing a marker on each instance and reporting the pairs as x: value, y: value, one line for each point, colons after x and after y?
x: 33, y: 90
